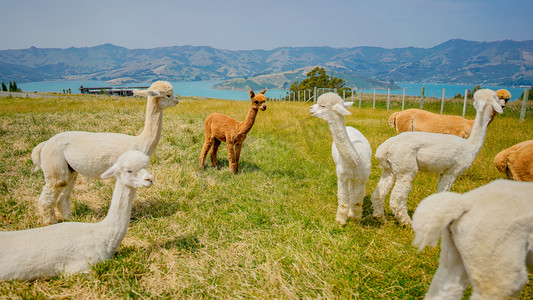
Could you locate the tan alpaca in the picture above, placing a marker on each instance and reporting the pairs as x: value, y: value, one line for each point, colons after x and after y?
x: 420, y: 120
x: 221, y: 128
x: 517, y: 161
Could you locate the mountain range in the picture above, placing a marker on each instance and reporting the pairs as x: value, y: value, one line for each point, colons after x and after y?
x: 456, y: 61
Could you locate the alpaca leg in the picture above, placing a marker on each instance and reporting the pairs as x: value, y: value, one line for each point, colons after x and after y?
x: 450, y: 280
x: 398, y: 198
x: 231, y: 155
x: 216, y: 143
x: 56, y: 175
x: 237, y: 154
x: 205, y: 149
x: 378, y: 196
x: 47, y: 201
x: 343, y: 201
x: 356, y: 194
x: 445, y: 182
x: 63, y: 204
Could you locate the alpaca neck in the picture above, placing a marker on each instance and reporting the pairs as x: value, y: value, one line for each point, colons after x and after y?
x: 246, y: 125
x: 340, y: 136
x: 149, y: 137
x: 118, y: 217
x: 492, y: 115
x: 479, y: 129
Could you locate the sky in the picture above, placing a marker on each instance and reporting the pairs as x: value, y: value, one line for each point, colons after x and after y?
x: 254, y: 24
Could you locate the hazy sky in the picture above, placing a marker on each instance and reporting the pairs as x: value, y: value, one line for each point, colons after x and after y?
x: 254, y: 24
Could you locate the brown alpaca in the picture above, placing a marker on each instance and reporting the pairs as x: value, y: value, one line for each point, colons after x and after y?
x: 221, y: 128
x: 516, y: 162
x: 420, y: 120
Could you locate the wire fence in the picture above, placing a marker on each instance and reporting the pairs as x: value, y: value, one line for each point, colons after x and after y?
x: 357, y: 95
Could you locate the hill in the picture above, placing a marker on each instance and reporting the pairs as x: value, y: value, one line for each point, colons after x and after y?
x: 455, y: 61
x: 284, y: 80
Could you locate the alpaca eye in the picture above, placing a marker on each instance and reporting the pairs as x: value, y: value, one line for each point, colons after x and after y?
x: 130, y: 171
x: 256, y: 102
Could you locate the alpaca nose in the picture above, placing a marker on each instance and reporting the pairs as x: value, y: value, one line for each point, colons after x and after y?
x: 148, y: 180
x: 263, y: 107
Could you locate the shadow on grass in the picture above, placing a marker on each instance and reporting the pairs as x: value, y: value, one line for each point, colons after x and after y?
x: 244, y: 166
x: 187, y: 243
x: 367, y: 219
x: 156, y: 208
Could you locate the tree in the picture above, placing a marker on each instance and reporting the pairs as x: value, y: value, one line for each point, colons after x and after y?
x: 15, y: 87
x: 470, y: 93
x: 4, y: 87
x: 320, y: 79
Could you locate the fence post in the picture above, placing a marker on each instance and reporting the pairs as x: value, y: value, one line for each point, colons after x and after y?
x: 343, y: 95
x: 388, y: 98
x: 374, y: 101
x: 442, y: 101
x: 464, y: 103
x: 403, y: 98
x: 315, y: 95
x: 360, y: 97
x: 353, y: 90
x: 422, y: 97
x: 524, y: 105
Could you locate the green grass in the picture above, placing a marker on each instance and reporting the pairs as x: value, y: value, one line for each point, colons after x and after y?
x: 268, y: 232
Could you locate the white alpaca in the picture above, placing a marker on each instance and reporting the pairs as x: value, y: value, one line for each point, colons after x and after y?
x: 402, y: 156
x: 486, y: 239
x: 66, y: 154
x: 73, y: 247
x: 351, y: 153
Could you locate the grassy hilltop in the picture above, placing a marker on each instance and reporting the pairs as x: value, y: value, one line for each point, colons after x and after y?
x: 268, y: 232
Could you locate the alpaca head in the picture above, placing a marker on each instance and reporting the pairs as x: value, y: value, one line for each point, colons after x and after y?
x: 258, y: 100
x: 130, y: 169
x: 328, y: 105
x: 487, y: 98
x: 504, y: 96
x: 161, y: 92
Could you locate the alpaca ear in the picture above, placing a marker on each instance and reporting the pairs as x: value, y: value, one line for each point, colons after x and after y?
x: 140, y: 93
x: 110, y: 172
x: 340, y: 110
x: 479, y: 105
x: 348, y: 104
x: 152, y: 93
x: 263, y: 91
x: 251, y: 93
x: 497, y: 107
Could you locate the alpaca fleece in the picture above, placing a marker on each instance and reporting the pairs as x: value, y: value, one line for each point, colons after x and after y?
x: 221, y: 128
x: 516, y: 161
x: 66, y: 154
x: 486, y: 239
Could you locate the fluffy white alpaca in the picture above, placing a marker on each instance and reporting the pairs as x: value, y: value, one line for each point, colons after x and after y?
x: 72, y: 247
x: 351, y: 153
x: 402, y: 156
x: 486, y: 239
x: 66, y: 154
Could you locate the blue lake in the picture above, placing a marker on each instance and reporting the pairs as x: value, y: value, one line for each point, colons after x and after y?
x: 203, y: 89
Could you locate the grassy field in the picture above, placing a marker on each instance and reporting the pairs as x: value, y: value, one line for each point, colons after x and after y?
x: 268, y: 232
